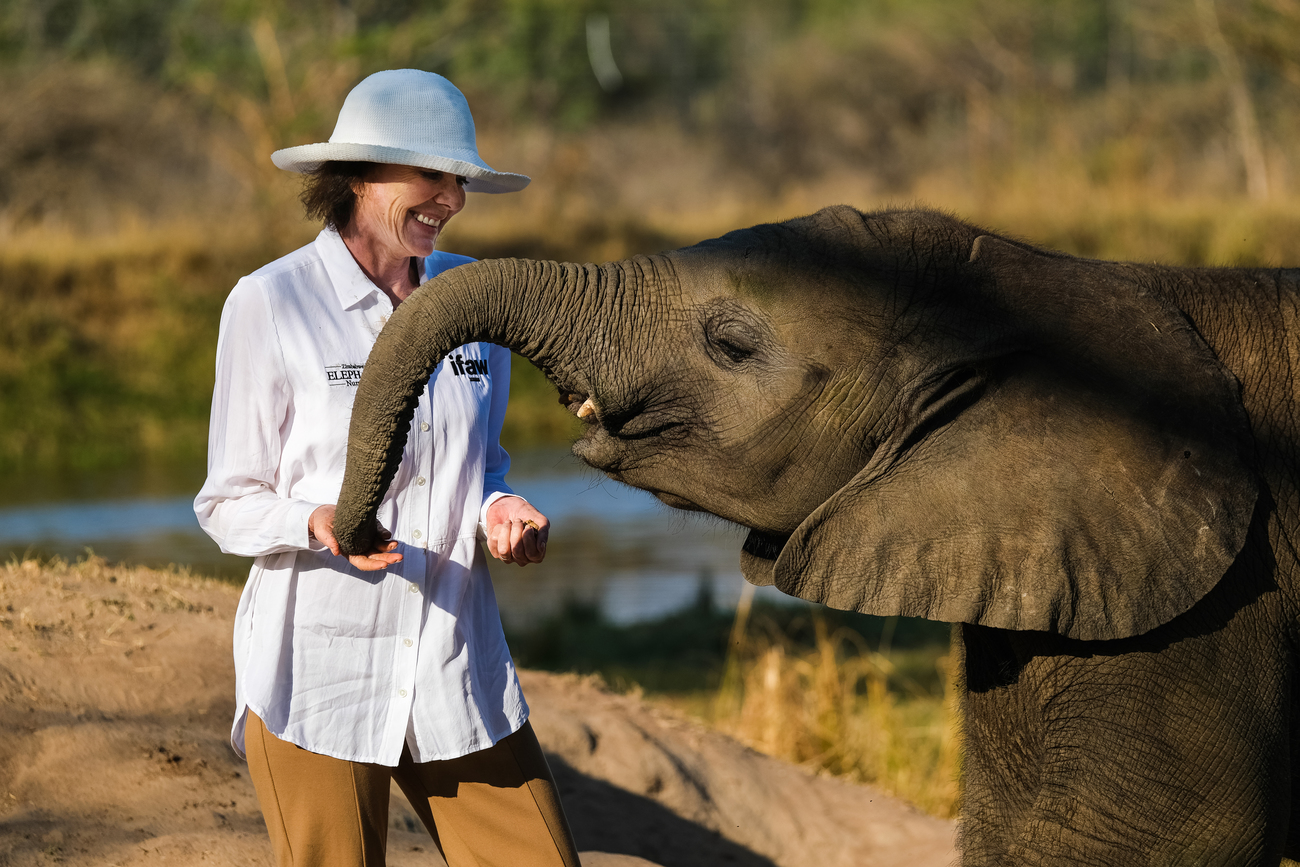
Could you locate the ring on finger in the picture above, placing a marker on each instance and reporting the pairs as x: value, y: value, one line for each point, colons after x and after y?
x: 533, y: 524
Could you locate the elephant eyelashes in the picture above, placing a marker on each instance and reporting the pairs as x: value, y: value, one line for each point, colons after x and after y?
x: 733, y: 351
x: 730, y: 341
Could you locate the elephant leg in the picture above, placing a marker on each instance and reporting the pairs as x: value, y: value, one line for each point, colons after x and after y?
x: 1003, y: 762
x: 1164, y: 749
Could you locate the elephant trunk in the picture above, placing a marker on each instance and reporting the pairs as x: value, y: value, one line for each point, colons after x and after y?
x: 548, y: 312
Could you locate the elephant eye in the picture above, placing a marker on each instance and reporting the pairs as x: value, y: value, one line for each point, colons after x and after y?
x: 733, y: 350
x: 730, y: 341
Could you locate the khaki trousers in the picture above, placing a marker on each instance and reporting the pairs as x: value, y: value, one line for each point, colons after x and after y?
x: 493, y: 808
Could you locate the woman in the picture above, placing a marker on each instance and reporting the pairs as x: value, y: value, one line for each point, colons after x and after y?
x: 390, y: 665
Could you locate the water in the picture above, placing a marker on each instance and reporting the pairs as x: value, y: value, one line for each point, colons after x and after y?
x: 610, y: 545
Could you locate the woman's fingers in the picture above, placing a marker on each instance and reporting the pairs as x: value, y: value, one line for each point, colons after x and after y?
x: 517, y: 552
x: 527, y: 541
x: 518, y: 533
x: 382, y: 554
x: 534, y: 541
x: 375, y: 561
x: 499, y: 542
x: 320, y: 526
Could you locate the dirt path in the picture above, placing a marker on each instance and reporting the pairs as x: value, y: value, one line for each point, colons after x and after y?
x: 115, y: 702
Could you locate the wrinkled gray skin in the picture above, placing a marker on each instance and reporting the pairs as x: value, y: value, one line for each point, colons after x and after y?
x: 1089, y: 466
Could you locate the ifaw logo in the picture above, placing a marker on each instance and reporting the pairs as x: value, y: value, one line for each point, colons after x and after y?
x: 343, y: 374
x: 472, y: 367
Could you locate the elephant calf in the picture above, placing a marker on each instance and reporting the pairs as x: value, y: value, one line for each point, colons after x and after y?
x: 1089, y: 466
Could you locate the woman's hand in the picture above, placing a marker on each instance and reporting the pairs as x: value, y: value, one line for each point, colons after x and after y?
x: 516, y: 532
x: 320, y: 526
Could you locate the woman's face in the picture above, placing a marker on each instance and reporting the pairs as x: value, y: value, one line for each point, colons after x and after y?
x: 402, y: 209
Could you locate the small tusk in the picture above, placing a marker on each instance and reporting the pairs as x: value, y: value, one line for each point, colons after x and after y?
x: 587, y: 408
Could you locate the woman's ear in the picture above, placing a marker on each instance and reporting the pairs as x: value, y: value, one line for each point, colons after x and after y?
x: 1092, y: 482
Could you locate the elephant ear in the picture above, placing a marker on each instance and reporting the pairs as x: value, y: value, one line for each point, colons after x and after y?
x: 1091, y: 481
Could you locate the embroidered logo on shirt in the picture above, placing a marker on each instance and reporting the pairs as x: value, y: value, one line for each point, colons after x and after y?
x: 474, y: 368
x: 343, y: 374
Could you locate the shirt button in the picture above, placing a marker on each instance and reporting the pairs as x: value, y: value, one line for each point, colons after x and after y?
x: 420, y: 480
x: 407, y: 642
x: 415, y: 589
x: 402, y: 693
x: 416, y: 534
x: 424, y: 425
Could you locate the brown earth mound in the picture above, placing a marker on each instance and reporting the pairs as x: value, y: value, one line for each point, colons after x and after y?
x: 115, y: 700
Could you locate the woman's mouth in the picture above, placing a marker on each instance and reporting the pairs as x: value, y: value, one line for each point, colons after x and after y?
x: 428, y: 221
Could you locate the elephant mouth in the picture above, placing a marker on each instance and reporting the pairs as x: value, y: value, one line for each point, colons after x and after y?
x: 580, y: 405
x: 675, y: 501
x: 627, y: 425
x: 595, y: 447
x: 764, y: 545
x: 620, y: 441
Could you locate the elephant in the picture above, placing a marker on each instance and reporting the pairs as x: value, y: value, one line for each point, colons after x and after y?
x: 1089, y: 468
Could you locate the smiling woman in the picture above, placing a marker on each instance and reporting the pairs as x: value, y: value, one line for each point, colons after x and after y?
x: 389, y: 664
x: 388, y: 215
x: 399, y: 213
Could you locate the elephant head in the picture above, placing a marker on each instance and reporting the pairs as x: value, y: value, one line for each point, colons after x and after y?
x: 911, y: 416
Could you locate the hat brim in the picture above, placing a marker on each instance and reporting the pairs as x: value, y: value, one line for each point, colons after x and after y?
x: 481, y: 179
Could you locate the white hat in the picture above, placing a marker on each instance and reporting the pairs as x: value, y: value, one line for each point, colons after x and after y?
x: 410, y: 118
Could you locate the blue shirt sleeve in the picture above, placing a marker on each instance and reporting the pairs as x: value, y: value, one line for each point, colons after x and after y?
x: 439, y: 261
x: 498, y: 461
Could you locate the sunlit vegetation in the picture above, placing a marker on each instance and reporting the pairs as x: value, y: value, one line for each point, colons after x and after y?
x: 867, y: 698
x: 106, y: 352
x: 840, y: 703
x: 135, y: 184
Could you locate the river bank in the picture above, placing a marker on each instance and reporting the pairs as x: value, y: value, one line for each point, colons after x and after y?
x: 115, y: 698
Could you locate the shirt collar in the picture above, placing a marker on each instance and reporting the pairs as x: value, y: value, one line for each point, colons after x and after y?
x: 350, y: 283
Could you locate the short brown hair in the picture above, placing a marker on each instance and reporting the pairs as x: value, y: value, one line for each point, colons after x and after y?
x: 327, y: 192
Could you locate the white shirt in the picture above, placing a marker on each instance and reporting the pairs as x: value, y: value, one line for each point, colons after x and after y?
x: 341, y: 662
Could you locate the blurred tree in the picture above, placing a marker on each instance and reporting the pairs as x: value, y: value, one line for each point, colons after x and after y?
x: 791, y: 88
x: 161, y: 113
x: 1245, y: 119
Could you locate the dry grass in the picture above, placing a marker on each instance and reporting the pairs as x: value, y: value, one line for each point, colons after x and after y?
x: 844, y: 709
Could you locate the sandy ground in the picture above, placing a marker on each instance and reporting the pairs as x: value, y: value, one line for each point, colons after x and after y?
x: 115, y: 700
